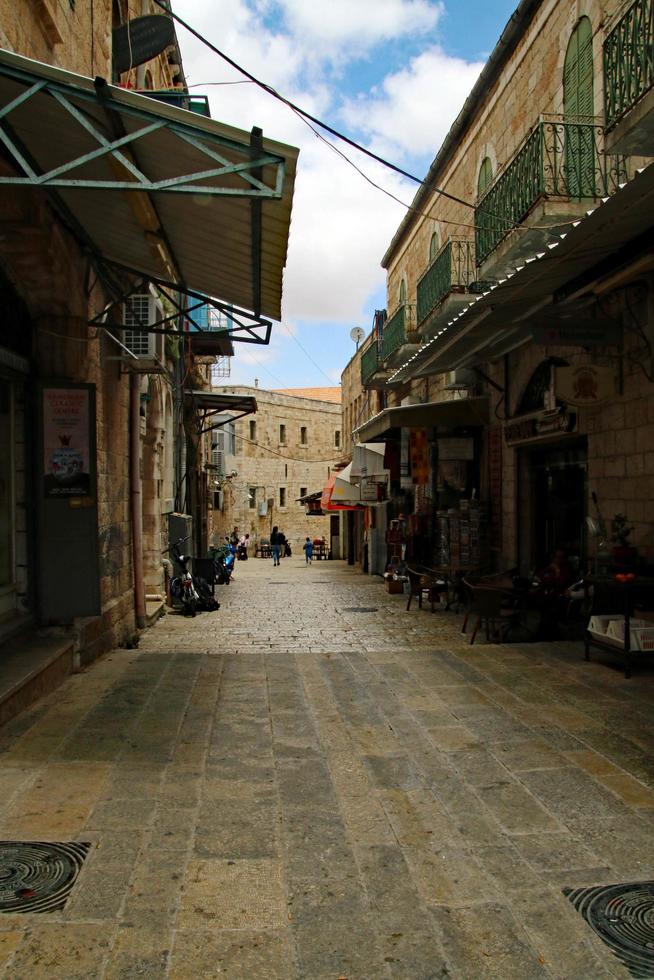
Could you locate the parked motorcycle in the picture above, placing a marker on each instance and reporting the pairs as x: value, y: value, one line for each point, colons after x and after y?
x: 182, y: 586
x: 223, y: 559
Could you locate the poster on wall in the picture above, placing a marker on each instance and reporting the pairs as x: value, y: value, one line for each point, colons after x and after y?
x: 66, y: 442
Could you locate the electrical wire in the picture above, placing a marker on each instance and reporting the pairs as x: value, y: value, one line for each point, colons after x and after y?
x: 306, y: 352
x: 292, y: 459
x: 307, y: 116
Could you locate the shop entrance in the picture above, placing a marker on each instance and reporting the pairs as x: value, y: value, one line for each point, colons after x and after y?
x: 554, y: 493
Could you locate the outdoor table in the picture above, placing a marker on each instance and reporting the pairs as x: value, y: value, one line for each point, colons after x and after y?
x: 626, y: 596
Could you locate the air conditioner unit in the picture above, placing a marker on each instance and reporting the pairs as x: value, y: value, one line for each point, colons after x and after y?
x: 218, y: 500
x: 140, y: 311
x: 461, y: 379
x: 262, y: 508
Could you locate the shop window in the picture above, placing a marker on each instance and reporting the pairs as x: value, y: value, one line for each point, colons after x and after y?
x: 337, y: 438
x: 252, y: 497
x: 253, y: 431
x: 303, y: 435
x: 282, y: 496
x: 282, y: 435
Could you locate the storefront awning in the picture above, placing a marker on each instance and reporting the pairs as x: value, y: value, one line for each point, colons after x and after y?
x: 499, y: 320
x: 453, y: 413
x: 208, y: 404
x: 150, y: 188
x: 368, y: 461
x: 338, y: 498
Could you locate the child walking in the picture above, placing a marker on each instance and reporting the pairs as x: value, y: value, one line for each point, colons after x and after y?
x: 308, y: 551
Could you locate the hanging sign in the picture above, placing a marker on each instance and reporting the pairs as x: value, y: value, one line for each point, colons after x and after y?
x: 537, y: 427
x: 584, y: 385
x: 140, y: 40
x: 66, y: 442
x: 578, y: 333
x: 450, y: 448
x: 419, y: 448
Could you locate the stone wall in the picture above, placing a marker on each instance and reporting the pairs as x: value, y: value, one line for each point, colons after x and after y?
x: 265, y: 463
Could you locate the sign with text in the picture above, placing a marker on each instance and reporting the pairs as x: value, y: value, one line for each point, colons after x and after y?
x: 578, y: 333
x: 66, y: 442
x: 537, y: 427
x: 585, y: 384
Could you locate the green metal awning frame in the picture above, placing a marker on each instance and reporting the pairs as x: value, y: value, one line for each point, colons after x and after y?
x: 210, y: 403
x: 113, y: 164
x: 453, y: 413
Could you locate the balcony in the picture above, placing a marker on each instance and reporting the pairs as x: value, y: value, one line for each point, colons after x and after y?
x: 629, y: 81
x: 443, y: 289
x: 199, y: 104
x: 559, y: 167
x: 399, y: 339
x: 372, y: 374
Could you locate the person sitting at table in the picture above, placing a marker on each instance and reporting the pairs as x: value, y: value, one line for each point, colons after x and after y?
x: 557, y: 576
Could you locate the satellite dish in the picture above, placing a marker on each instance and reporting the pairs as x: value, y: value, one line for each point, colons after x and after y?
x: 357, y: 334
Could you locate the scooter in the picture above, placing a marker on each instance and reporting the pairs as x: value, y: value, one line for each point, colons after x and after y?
x: 223, y: 559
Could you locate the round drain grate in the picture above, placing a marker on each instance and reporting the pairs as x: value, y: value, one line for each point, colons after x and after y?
x: 623, y: 916
x: 36, y: 876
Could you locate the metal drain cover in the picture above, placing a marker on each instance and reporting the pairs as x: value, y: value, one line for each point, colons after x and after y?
x: 359, y: 609
x: 623, y: 917
x: 36, y: 876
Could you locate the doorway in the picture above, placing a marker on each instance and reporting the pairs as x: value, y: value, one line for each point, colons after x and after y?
x: 556, y: 483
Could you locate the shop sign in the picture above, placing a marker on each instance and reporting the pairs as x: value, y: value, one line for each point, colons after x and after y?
x: 585, y: 385
x: 451, y: 448
x: 539, y: 427
x: 66, y: 442
x: 580, y: 333
x: 419, y: 451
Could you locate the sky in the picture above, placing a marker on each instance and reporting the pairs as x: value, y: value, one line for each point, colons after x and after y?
x: 392, y: 75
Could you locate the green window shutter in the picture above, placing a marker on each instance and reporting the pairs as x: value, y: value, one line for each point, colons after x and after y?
x: 433, y: 247
x: 485, y: 176
x: 578, y: 112
x: 403, y: 292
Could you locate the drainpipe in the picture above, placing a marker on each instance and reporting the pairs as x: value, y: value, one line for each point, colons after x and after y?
x: 136, y: 506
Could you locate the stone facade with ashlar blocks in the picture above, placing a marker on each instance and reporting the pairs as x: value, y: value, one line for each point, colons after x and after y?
x: 268, y: 465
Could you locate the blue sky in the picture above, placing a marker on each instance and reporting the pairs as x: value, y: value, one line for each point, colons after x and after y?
x: 391, y: 74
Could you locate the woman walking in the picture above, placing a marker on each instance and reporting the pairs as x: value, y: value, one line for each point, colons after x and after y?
x: 275, y: 543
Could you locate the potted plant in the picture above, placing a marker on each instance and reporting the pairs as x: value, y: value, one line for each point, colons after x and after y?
x: 623, y: 552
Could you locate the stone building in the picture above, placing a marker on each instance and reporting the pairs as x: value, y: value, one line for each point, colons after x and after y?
x: 98, y: 275
x: 517, y: 347
x: 284, y: 452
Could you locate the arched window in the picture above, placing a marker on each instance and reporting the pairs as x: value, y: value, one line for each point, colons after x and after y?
x: 148, y: 82
x: 485, y: 178
x: 402, y: 292
x: 578, y: 105
x: 433, y: 247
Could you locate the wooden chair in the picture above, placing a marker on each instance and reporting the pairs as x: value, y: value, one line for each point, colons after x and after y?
x: 424, y: 583
x: 488, y: 606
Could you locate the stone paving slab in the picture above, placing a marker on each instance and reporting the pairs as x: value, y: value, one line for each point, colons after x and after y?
x: 287, y: 789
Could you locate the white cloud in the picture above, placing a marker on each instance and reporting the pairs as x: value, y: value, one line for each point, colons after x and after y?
x: 342, y: 27
x: 414, y: 108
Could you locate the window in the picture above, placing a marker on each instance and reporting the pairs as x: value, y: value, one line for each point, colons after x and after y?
x: 230, y: 431
x: 403, y: 292
x: 282, y: 496
x: 252, y: 497
x: 253, y: 431
x: 433, y: 247
x: 282, y: 435
x: 485, y: 178
x: 337, y: 438
x: 303, y: 435
x: 303, y: 491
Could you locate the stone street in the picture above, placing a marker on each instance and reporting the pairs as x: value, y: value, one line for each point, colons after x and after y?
x: 315, y: 783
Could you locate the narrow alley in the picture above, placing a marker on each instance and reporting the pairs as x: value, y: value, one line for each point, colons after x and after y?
x: 314, y: 783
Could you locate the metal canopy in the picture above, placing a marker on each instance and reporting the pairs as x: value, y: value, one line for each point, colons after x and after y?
x: 153, y: 188
x: 609, y: 236
x: 453, y: 413
x: 209, y: 403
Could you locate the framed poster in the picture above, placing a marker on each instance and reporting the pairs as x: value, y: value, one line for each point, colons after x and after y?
x: 66, y: 442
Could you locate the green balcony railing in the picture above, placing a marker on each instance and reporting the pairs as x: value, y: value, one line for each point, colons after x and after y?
x: 628, y: 60
x: 451, y: 271
x: 395, y: 328
x: 369, y: 363
x: 559, y: 158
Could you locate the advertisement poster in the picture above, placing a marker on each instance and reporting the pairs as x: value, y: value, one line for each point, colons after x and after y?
x: 66, y: 445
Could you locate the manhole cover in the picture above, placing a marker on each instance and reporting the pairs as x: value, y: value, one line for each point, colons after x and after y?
x: 359, y: 609
x: 37, y: 876
x: 623, y: 917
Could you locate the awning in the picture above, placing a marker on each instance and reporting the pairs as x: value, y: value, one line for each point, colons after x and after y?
x: 368, y: 461
x: 452, y: 414
x: 329, y: 500
x: 151, y: 188
x: 499, y: 320
x: 211, y: 403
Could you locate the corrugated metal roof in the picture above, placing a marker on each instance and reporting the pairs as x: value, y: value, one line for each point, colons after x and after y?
x: 210, y: 237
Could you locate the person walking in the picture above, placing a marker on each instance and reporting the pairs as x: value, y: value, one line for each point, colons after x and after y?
x: 275, y: 545
x: 308, y: 551
x: 282, y: 544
